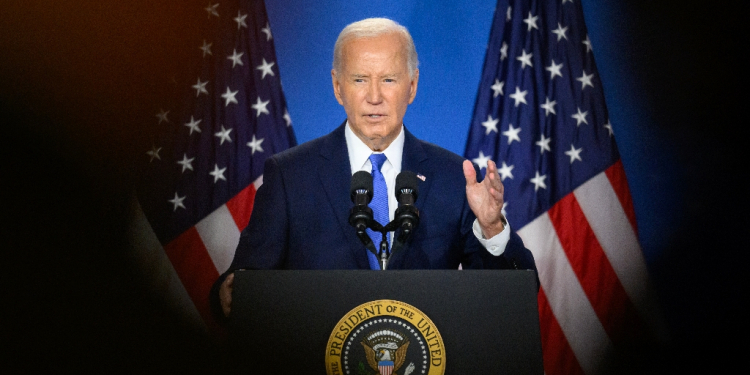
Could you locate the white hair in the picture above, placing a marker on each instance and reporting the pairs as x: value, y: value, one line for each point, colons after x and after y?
x: 370, y: 28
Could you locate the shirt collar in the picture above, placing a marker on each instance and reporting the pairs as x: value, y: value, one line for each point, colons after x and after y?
x: 359, y: 153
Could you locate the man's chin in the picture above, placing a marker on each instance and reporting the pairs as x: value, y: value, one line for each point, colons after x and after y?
x: 379, y: 143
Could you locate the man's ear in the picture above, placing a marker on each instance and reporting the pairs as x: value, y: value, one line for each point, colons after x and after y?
x: 336, y: 86
x: 413, y: 86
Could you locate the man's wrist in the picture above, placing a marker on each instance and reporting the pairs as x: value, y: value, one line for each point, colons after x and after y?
x: 495, y: 229
x: 495, y: 245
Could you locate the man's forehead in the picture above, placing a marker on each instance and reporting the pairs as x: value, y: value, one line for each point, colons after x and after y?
x: 392, y: 39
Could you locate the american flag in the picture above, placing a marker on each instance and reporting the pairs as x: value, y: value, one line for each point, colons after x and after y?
x: 204, y: 168
x: 540, y: 115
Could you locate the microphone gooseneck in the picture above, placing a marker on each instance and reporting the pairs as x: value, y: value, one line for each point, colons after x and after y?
x: 360, y: 216
x: 407, y: 215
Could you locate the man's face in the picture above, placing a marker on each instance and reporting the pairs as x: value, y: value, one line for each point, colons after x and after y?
x: 375, y: 88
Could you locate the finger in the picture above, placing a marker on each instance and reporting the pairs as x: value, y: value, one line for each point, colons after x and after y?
x: 492, y: 172
x: 469, y: 173
x: 225, y: 294
x: 494, y: 176
x: 491, y: 168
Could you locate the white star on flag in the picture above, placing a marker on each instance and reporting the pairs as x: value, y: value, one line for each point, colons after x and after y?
x: 218, y: 173
x: 543, y: 144
x: 186, y: 163
x: 587, y: 43
x: 267, y: 30
x: 265, y: 67
x: 538, y: 181
x: 211, y: 9
x: 549, y: 106
x: 154, y: 153
x: 505, y: 171
x: 512, y: 133
x: 497, y: 88
x: 580, y: 117
x: 162, y: 116
x: 481, y: 160
x: 525, y: 59
x: 260, y: 106
x: 206, y: 48
x: 574, y: 154
x: 200, y: 88
x: 193, y: 125
x: 490, y: 124
x: 585, y: 80
x: 236, y: 58
x: 229, y: 97
x: 177, y: 201
x: 223, y: 135
x: 531, y: 22
x: 554, y: 70
x: 255, y: 145
x: 560, y: 32
x: 519, y: 96
x: 240, y: 19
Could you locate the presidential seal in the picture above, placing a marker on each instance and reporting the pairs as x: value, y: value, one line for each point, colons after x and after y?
x: 385, y: 337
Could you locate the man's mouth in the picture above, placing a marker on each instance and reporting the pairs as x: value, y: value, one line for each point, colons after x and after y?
x: 374, y: 116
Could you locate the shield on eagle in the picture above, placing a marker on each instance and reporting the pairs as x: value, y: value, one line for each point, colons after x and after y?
x: 385, y: 350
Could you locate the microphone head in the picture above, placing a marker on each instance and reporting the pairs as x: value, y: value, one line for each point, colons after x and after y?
x: 361, y: 184
x: 407, y: 182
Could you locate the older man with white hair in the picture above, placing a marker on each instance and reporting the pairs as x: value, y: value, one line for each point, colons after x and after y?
x: 300, y: 219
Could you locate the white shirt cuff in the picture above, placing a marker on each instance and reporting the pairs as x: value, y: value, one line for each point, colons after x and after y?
x: 495, y: 245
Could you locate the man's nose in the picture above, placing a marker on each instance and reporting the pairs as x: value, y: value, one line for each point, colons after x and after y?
x: 374, y: 95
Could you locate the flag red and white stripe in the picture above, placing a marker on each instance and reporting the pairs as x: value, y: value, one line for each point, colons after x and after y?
x: 540, y: 115
x: 204, y: 168
x: 594, y: 285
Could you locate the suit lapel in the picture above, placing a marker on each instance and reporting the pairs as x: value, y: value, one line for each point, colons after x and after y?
x: 335, y: 176
x: 413, y: 157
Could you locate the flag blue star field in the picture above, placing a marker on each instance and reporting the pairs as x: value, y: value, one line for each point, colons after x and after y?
x: 204, y: 169
x: 540, y: 116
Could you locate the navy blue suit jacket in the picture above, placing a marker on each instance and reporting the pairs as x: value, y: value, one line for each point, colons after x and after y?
x: 300, y: 218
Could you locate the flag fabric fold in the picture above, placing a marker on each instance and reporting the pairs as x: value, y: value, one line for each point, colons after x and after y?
x: 540, y: 116
x: 206, y: 162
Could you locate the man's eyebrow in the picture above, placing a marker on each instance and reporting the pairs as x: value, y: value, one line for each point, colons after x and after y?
x: 389, y: 75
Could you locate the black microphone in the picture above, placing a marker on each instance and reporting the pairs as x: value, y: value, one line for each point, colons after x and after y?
x: 407, y: 215
x: 360, y: 215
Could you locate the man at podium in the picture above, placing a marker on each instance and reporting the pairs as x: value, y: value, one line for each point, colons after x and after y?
x: 300, y: 218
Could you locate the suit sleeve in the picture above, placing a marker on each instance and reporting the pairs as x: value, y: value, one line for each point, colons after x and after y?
x: 263, y: 243
x: 515, y: 256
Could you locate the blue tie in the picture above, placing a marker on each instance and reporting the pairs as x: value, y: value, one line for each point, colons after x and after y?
x: 379, y: 205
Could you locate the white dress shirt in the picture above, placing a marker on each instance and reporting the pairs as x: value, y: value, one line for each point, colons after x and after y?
x: 359, y: 160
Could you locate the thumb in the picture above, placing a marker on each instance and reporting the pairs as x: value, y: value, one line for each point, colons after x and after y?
x: 469, y: 173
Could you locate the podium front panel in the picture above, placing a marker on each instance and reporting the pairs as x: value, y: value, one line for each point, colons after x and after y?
x: 281, y: 321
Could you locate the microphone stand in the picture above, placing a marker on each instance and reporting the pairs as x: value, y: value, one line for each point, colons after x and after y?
x: 384, y: 254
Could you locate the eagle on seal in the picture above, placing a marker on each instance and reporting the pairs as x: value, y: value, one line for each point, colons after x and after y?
x: 386, y: 358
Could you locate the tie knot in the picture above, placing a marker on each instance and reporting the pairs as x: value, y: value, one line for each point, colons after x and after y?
x: 377, y: 161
